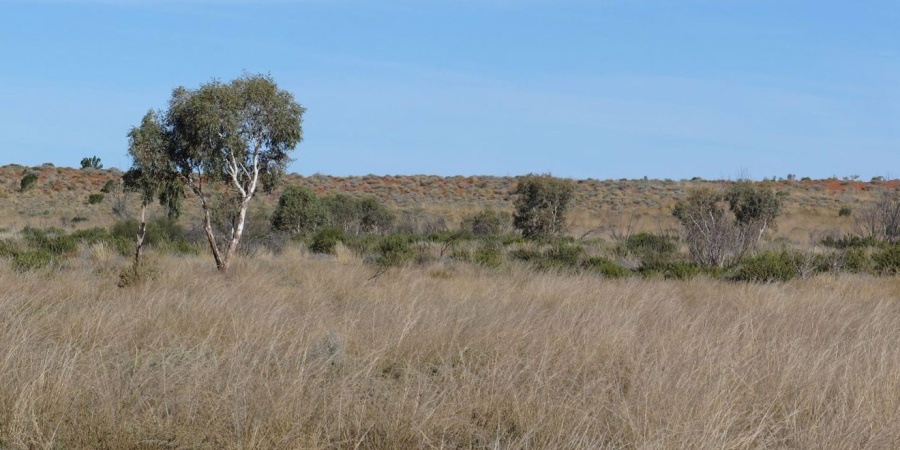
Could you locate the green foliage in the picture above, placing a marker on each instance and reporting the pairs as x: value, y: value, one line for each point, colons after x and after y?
x: 395, y: 250
x: 485, y: 223
x: 785, y: 265
x: 751, y: 203
x: 31, y: 260
x: 52, y: 240
x: 887, y: 260
x: 92, y: 162
x: 856, y: 260
x: 541, y: 205
x: 649, y: 245
x: 673, y: 269
x: 28, y: 182
x: 851, y: 241
x: 845, y: 211
x: 136, y: 274
x: 343, y: 212
x: 489, y: 254
x: 93, y: 199
x: 299, y: 211
x: 560, y: 254
x: 605, y: 267
x: 163, y: 233
x: 374, y: 217
x: 700, y: 204
x: 109, y: 187
x: 325, y: 241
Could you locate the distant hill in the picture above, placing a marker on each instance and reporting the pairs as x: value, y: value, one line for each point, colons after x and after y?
x: 60, y: 194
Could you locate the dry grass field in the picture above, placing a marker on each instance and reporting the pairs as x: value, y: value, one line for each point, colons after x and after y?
x: 301, y: 351
x: 295, y: 350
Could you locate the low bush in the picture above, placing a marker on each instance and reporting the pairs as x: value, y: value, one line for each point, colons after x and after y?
x: 395, y: 250
x: 489, y: 254
x: 605, y: 267
x: 31, y: 260
x: 52, y: 240
x: 845, y: 211
x: 850, y: 241
x: 325, y: 241
x: 887, y: 260
x: 94, y: 199
x: 28, y: 182
x: 678, y: 270
x: 486, y: 223
x: 651, y: 245
x: 780, y: 266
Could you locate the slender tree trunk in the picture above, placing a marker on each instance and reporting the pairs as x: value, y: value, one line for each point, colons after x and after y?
x: 237, y: 232
x: 211, y: 237
x: 142, y: 232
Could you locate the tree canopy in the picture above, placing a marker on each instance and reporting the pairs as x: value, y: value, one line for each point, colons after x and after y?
x: 238, y: 135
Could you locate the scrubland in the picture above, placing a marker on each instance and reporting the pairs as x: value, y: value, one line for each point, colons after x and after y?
x: 303, y: 351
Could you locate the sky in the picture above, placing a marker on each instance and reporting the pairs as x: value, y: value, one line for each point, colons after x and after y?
x: 602, y: 89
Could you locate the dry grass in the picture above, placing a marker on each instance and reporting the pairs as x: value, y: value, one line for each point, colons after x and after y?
x: 301, y: 352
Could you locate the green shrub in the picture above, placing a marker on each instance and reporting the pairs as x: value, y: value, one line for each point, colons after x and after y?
x: 28, y: 182
x: 541, y: 204
x: 489, y: 255
x: 92, y: 162
x: 8, y: 248
x: 343, y: 212
x: 780, y: 266
x: 887, y: 260
x: 605, y: 267
x: 485, y: 223
x: 677, y: 270
x: 375, y: 217
x: 325, y: 241
x: 559, y: 255
x: 31, y: 260
x: 299, y: 211
x: 53, y: 240
x: 856, y: 260
x: 109, y: 187
x: 93, y: 199
x: 851, y: 241
x: 136, y: 274
x: 845, y: 211
x: 92, y: 235
x: 395, y: 250
x: 649, y: 245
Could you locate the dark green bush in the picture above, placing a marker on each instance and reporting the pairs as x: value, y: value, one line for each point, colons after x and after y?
x: 299, y: 211
x: 780, y: 266
x: 325, y: 241
x: 561, y: 254
x: 489, y: 255
x: 109, y: 187
x: 605, y: 267
x: 93, y: 199
x: 28, y: 182
x: 856, y: 260
x: 395, y: 250
x: 672, y: 269
x: 53, y: 240
x: 649, y: 245
x: 541, y: 204
x: 485, y: 223
x: 887, y: 260
x: 92, y: 235
x: 31, y: 260
x: 851, y: 241
x: 845, y: 211
x: 136, y: 274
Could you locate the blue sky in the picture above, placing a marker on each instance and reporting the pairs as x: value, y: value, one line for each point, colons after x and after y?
x: 585, y: 89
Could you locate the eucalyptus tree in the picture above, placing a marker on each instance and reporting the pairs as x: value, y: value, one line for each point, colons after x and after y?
x: 234, y: 137
x: 151, y: 174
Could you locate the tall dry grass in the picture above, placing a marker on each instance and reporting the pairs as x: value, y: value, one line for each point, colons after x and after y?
x: 299, y: 352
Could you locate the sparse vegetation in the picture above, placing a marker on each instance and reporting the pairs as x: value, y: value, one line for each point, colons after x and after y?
x: 466, y: 336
